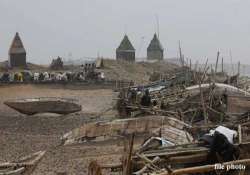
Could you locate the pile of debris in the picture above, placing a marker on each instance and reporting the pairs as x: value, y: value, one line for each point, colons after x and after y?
x: 182, y: 97
x: 220, y: 150
x: 188, y: 122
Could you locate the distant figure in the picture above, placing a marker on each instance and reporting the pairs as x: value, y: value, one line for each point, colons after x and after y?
x: 20, y: 77
x: 102, y: 76
x: 146, y: 99
x: 41, y: 77
x: 46, y: 76
x: 16, y: 77
x: 6, y: 77
x: 133, y: 96
x: 36, y: 76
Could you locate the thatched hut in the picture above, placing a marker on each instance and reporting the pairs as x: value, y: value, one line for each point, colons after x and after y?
x: 17, y: 53
x: 155, y: 49
x: 125, y: 51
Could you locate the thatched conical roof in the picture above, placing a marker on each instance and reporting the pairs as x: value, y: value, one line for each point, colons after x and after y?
x: 125, y: 45
x: 17, y: 45
x: 155, y: 44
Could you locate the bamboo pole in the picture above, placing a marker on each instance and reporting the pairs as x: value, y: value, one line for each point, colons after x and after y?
x: 201, y: 94
x: 217, y: 59
x: 239, y: 68
x: 222, y: 65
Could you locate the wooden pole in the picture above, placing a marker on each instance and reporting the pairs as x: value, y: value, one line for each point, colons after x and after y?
x: 239, y: 68
x: 203, y: 104
x: 180, y: 54
x: 218, y: 55
x: 231, y: 59
x: 222, y: 66
x: 201, y: 94
x: 240, y: 134
x: 128, y: 160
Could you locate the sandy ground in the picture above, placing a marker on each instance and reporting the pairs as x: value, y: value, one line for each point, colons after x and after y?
x: 21, y: 135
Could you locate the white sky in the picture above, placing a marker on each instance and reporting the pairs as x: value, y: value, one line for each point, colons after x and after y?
x: 83, y: 28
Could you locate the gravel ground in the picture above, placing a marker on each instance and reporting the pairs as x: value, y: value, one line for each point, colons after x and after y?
x: 21, y: 135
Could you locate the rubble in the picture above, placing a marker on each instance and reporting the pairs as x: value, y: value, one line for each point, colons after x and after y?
x: 202, y: 102
x: 24, y: 165
x: 143, y: 127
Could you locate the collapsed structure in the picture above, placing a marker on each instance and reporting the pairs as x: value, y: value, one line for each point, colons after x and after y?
x: 211, y: 126
x: 17, y: 53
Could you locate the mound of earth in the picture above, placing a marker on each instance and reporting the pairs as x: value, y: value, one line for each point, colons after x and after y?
x: 139, y: 72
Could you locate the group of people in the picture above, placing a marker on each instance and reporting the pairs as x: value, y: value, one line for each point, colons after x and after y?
x: 27, y: 76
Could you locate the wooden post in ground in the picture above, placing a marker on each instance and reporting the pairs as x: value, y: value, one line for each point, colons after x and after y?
x: 239, y: 68
x: 222, y: 66
x: 181, y: 56
x: 218, y: 55
x: 94, y: 169
x: 127, y: 167
x: 201, y: 93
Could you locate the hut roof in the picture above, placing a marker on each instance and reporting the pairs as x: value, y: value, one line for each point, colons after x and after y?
x: 16, y: 45
x: 155, y: 44
x: 126, y: 45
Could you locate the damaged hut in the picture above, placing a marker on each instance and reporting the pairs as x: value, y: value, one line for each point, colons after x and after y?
x: 17, y: 53
x: 125, y: 51
x: 155, y: 49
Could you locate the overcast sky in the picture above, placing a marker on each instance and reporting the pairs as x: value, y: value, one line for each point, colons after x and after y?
x: 83, y: 28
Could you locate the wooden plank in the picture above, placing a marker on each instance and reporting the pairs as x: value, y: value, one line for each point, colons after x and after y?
x: 240, y: 134
x: 177, y: 153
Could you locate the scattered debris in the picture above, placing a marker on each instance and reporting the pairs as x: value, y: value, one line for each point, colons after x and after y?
x: 143, y: 127
x: 24, y: 166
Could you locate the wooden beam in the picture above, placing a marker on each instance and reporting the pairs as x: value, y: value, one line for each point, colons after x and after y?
x: 175, y: 153
x: 240, y: 134
x: 196, y: 158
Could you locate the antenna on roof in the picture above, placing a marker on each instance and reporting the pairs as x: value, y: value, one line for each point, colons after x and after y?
x: 157, y: 24
x: 181, y: 55
x: 231, y: 59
